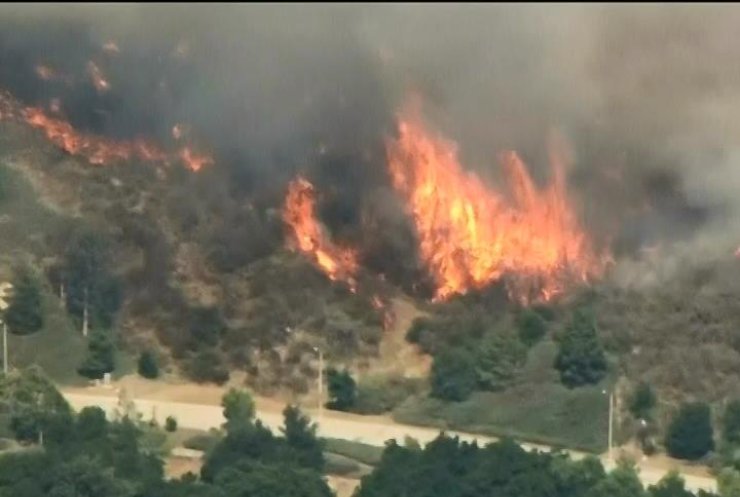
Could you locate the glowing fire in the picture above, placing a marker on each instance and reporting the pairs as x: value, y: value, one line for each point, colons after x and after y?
x: 45, y: 72
x: 299, y: 213
x: 470, y: 235
x: 384, y: 310
x: 96, y: 75
x: 111, y: 48
x: 97, y: 150
x: 193, y: 160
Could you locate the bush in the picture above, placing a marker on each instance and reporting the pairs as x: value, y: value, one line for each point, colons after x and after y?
x: 581, y: 359
x: 207, y: 365
x: 25, y: 314
x: 204, y: 442
x: 147, y: 366
x: 100, y: 356
x: 170, y: 424
x: 690, y: 432
x: 342, y: 390
x: 498, y: 359
x: 643, y: 401
x: 381, y: 395
x: 731, y: 423
x: 530, y: 327
x: 453, y: 375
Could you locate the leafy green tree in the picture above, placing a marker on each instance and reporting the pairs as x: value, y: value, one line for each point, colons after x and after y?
x: 689, y: 434
x: 643, y: 401
x: 499, y: 357
x: 453, y: 375
x: 25, y: 315
x: 100, y: 359
x: 84, y: 477
x: 239, y: 409
x: 581, y: 359
x: 342, y: 390
x: 148, y: 366
x: 731, y: 423
x: 300, y: 435
x: 671, y: 485
x: 530, y: 327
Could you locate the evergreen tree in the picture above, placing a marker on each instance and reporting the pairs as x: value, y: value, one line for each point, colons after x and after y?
x: 581, y: 359
x: 499, y: 357
x: 531, y: 327
x: 100, y: 356
x: 643, y: 401
x: 148, y: 367
x: 453, y: 375
x: 25, y: 314
x: 300, y: 435
x: 238, y: 409
x: 342, y: 390
x: 690, y: 432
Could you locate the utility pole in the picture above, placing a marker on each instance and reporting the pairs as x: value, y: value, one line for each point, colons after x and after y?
x: 6, y: 290
x: 321, y: 382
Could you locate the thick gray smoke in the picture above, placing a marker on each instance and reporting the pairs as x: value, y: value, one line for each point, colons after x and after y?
x: 648, y: 95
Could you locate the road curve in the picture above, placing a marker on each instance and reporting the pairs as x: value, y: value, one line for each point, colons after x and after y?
x: 205, y: 417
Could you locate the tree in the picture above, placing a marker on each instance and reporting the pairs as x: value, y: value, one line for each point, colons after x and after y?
x: 147, y: 366
x: 300, y: 435
x: 690, y: 432
x: 342, y: 390
x: 208, y: 365
x: 728, y: 482
x: 671, y: 485
x: 25, y: 314
x: 581, y: 359
x: 621, y: 482
x: 254, y: 479
x: 643, y: 401
x: 238, y: 409
x: 499, y: 357
x: 530, y: 327
x: 453, y: 375
x: 731, y: 422
x: 100, y: 356
x: 92, y: 292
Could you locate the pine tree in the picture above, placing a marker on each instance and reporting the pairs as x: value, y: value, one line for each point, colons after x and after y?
x: 581, y: 359
x: 25, y: 315
x: 100, y: 356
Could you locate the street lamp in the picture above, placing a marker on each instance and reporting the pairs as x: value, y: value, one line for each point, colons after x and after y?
x: 6, y: 291
x: 611, y: 423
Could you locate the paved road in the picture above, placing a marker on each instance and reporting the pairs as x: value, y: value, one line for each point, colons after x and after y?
x: 205, y: 417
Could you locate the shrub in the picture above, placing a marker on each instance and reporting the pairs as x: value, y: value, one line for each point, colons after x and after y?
x: 170, y: 424
x: 453, y: 375
x: 530, y: 327
x: 147, y: 366
x: 342, y: 390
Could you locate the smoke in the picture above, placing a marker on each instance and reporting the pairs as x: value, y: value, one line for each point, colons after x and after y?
x: 646, y: 94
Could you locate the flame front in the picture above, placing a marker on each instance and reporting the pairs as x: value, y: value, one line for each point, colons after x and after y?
x: 471, y: 235
x: 96, y: 149
x: 299, y: 213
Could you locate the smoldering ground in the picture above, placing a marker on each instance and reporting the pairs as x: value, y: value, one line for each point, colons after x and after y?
x: 647, y: 96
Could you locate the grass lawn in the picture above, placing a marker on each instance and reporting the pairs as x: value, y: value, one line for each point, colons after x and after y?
x: 537, y: 409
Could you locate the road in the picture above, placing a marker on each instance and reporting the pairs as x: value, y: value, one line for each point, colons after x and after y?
x: 359, y: 429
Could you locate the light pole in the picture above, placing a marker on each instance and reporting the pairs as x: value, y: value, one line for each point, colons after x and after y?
x: 6, y: 290
x: 321, y: 382
x: 611, y: 424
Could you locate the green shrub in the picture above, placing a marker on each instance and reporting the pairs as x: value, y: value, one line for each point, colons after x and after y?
x: 147, y: 366
x: 204, y: 442
x: 690, y: 433
x: 382, y: 394
x: 170, y: 424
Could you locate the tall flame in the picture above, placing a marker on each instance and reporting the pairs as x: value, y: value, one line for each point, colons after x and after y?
x: 470, y: 235
x: 299, y: 213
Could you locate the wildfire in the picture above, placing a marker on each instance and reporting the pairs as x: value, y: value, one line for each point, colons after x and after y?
x: 96, y: 149
x: 470, y: 235
x: 385, y: 311
x: 111, y: 48
x: 45, y: 72
x: 96, y: 75
x: 194, y: 161
x: 299, y: 213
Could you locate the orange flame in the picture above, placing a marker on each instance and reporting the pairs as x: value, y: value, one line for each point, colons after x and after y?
x: 385, y: 312
x: 111, y: 48
x: 299, y: 213
x: 96, y: 75
x: 97, y: 150
x: 194, y: 161
x: 470, y: 236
